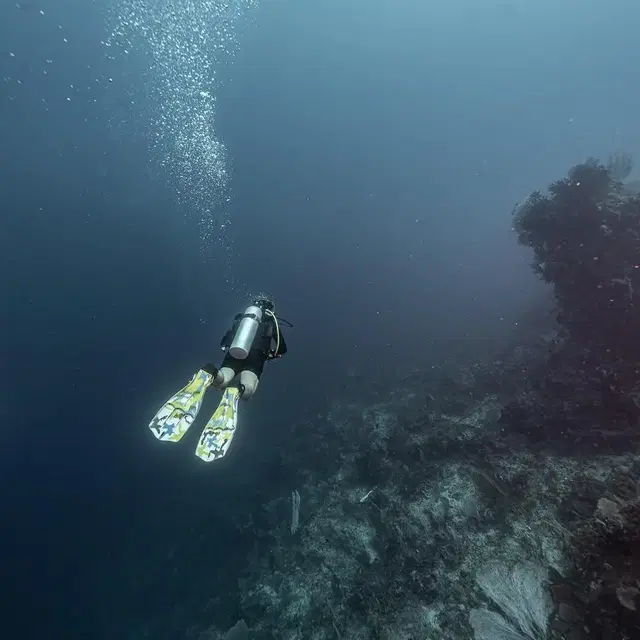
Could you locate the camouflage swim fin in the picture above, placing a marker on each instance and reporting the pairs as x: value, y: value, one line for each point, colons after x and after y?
x: 178, y: 413
x: 219, y: 431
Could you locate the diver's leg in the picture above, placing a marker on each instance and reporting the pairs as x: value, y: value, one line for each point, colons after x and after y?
x: 219, y: 431
x: 252, y: 368
x: 224, y: 378
x: 217, y: 378
x: 229, y: 369
x: 248, y: 384
x: 220, y: 377
x: 224, y: 375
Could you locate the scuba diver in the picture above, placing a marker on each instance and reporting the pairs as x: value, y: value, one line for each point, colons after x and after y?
x: 254, y: 338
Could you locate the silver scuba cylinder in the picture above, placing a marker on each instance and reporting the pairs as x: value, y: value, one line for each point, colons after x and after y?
x: 246, y: 332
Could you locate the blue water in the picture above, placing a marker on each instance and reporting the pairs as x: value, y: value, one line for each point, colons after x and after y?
x: 358, y: 160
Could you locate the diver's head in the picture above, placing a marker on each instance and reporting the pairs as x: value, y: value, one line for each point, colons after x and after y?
x: 265, y: 304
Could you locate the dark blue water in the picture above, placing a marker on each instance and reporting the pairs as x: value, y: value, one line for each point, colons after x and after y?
x: 374, y: 153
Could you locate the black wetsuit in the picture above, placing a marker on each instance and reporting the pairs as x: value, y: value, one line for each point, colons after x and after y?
x: 262, y: 349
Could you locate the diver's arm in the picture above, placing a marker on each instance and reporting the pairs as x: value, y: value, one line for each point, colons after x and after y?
x: 225, y: 343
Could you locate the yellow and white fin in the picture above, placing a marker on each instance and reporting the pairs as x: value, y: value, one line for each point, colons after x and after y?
x: 178, y: 413
x: 219, y: 431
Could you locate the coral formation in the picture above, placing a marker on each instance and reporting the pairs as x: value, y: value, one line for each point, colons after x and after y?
x: 413, y: 498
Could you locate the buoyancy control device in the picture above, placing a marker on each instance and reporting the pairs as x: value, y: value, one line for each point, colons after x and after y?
x: 246, y: 332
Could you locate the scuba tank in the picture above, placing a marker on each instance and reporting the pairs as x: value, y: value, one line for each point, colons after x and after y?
x: 245, y: 333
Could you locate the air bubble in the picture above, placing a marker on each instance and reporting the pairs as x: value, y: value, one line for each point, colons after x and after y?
x: 185, y: 41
